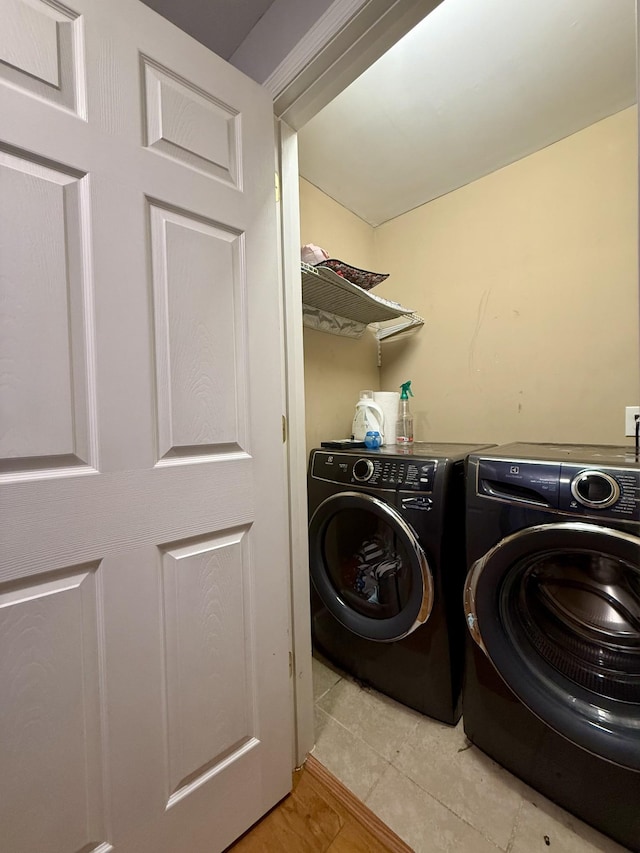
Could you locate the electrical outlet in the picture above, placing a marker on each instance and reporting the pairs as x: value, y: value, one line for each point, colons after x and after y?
x: 630, y: 413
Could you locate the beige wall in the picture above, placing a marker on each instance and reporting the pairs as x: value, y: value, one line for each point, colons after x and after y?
x: 528, y: 281
x: 336, y: 368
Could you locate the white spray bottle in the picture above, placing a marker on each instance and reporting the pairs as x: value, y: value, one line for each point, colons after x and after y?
x: 404, y: 427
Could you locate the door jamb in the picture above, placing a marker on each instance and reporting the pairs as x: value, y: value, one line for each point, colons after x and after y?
x: 296, y: 444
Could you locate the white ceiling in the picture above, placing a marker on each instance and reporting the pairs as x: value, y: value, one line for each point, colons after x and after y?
x: 477, y: 85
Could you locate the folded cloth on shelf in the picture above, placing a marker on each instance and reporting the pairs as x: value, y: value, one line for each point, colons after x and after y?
x: 363, y: 278
x: 315, y: 256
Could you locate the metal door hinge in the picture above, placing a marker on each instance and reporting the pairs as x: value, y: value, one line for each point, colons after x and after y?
x: 290, y: 664
x: 277, y: 180
x: 284, y: 429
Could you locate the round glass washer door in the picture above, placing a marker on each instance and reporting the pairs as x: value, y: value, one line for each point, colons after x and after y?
x: 368, y: 567
x: 556, y: 608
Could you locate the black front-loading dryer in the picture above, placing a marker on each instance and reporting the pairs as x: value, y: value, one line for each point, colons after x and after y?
x: 387, y: 564
x: 552, y: 604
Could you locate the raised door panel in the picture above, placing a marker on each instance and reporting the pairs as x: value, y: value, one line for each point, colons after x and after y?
x: 198, y: 293
x: 42, y: 52
x: 208, y: 643
x: 187, y: 123
x: 45, y: 397
x: 51, y: 714
x: 29, y: 42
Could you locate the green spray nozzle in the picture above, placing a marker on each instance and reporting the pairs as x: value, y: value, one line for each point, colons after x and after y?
x: 406, y: 390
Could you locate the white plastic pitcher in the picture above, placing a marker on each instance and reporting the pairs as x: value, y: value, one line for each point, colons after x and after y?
x: 368, y: 416
x: 388, y: 402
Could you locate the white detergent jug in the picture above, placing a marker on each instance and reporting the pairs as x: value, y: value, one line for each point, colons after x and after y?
x: 368, y: 416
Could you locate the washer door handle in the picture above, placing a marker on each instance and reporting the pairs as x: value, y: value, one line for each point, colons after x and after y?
x: 470, y: 614
x: 420, y: 503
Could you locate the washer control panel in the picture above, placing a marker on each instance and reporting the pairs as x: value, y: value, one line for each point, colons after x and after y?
x: 595, y: 489
x: 578, y: 489
x: 406, y: 475
x: 611, y: 492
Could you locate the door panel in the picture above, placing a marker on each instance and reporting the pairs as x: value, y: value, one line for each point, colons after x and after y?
x: 144, y: 574
x: 200, y: 390
x: 49, y: 639
x: 45, y: 403
x: 42, y: 50
x: 207, y: 646
x: 189, y: 125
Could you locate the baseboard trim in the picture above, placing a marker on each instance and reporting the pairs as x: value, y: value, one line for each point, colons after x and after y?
x: 356, y: 807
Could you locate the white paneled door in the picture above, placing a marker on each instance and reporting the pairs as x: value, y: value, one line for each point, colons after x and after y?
x: 144, y: 677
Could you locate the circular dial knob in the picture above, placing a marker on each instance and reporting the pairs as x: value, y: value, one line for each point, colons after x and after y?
x: 595, y: 489
x: 362, y: 470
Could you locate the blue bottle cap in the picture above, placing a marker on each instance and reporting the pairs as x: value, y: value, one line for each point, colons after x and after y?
x: 372, y: 439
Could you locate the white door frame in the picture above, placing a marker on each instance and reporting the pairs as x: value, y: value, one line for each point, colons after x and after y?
x: 336, y: 51
x: 296, y: 445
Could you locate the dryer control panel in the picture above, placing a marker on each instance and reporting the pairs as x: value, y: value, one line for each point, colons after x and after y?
x: 578, y: 489
x: 406, y: 475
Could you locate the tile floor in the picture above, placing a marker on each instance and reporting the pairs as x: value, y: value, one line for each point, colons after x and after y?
x: 423, y: 778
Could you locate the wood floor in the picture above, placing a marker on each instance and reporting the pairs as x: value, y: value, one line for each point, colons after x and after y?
x: 319, y: 816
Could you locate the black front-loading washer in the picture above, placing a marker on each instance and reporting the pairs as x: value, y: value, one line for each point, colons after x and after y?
x: 552, y: 604
x: 387, y: 564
